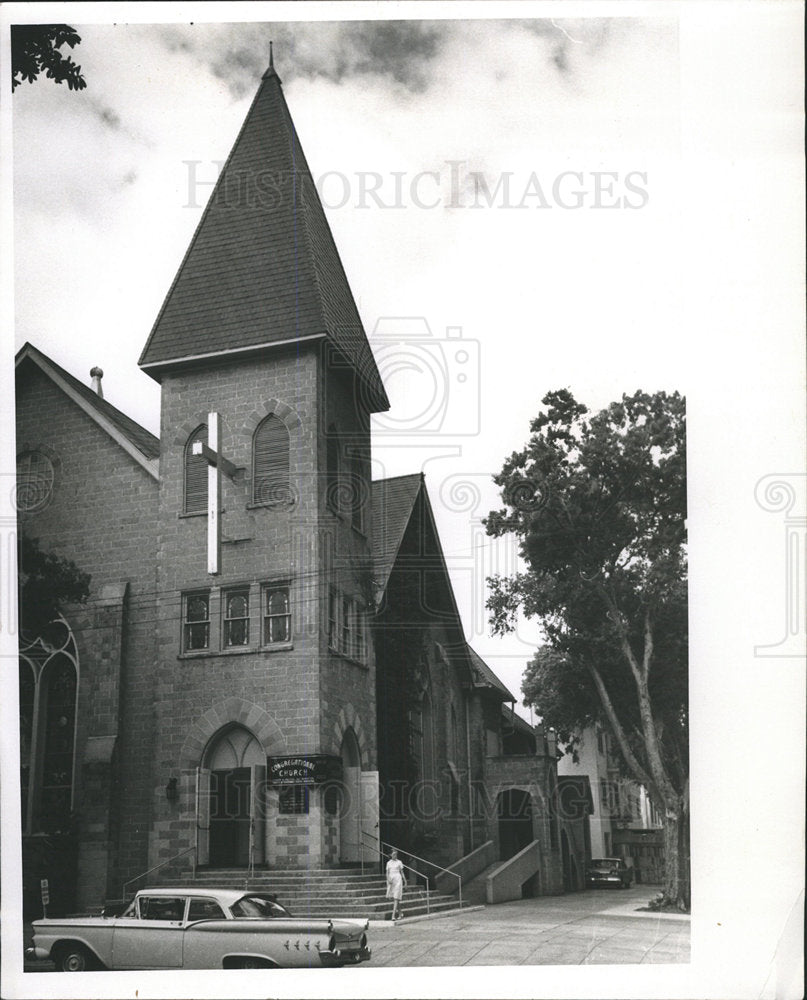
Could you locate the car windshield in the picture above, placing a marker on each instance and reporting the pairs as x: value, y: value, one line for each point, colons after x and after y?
x: 258, y: 906
x: 605, y: 863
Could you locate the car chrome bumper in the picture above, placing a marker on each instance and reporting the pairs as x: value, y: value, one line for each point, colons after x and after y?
x: 333, y: 959
x: 34, y: 954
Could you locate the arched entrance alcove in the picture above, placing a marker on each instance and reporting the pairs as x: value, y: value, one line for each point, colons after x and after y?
x: 515, y: 821
x: 350, y: 812
x: 234, y: 773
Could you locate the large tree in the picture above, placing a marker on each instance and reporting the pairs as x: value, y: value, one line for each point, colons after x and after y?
x: 598, y: 502
x: 35, y: 50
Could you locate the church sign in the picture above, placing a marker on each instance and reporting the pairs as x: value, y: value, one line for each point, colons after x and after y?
x: 311, y: 769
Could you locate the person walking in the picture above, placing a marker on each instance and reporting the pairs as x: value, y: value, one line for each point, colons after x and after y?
x: 396, y: 881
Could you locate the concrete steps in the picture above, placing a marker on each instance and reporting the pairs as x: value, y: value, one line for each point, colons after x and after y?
x: 337, y: 892
x: 476, y: 890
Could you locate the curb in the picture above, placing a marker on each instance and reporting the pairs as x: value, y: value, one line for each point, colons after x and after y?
x: 628, y: 910
x: 377, y: 924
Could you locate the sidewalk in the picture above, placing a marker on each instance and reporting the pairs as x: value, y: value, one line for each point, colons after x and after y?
x: 596, y: 927
x: 577, y: 929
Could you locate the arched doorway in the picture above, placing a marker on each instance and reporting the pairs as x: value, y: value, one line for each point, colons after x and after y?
x: 234, y: 767
x: 350, y: 813
x: 515, y: 822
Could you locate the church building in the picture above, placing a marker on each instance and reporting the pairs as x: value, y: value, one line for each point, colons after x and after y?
x: 270, y: 672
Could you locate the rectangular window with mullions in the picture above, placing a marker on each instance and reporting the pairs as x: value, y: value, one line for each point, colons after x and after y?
x: 196, y: 622
x: 236, y: 618
x: 276, y: 613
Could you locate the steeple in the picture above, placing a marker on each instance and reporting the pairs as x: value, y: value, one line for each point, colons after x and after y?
x: 262, y: 268
x: 271, y: 70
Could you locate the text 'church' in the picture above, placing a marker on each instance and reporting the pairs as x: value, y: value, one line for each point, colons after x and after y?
x: 270, y: 672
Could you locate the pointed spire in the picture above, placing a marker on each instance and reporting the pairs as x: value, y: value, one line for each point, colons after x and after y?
x: 271, y: 71
x: 262, y: 268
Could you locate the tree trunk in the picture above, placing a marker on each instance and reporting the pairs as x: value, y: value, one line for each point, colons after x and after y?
x: 677, y: 889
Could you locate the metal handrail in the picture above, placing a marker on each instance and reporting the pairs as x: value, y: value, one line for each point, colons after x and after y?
x: 162, y: 864
x: 433, y: 865
x: 408, y: 868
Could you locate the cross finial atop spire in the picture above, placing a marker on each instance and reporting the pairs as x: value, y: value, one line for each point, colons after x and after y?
x: 271, y: 71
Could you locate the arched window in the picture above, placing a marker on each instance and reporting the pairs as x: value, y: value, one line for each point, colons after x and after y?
x: 270, y: 462
x: 48, y: 674
x: 195, y: 475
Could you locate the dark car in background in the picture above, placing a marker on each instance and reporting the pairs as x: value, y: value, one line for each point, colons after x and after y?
x: 608, y: 871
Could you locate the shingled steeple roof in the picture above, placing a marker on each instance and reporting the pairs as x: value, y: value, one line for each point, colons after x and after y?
x: 262, y: 268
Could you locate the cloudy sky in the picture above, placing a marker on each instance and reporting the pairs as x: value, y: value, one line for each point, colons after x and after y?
x: 540, y: 189
x: 606, y: 201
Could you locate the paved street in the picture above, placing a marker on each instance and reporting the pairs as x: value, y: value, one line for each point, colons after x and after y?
x: 597, y: 927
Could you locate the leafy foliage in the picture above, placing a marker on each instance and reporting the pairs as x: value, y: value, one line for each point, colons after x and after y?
x: 35, y: 50
x: 598, y: 502
x: 45, y: 583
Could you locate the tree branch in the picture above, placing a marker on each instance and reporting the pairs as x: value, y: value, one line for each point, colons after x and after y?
x: 639, y: 772
x: 648, y: 644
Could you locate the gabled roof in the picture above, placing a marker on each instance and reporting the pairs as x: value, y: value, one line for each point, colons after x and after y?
x: 262, y: 268
x: 516, y: 721
x: 484, y: 676
x: 394, y: 503
x: 139, y: 443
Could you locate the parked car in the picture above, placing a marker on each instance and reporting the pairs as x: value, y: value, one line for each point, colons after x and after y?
x: 609, y: 871
x: 200, y: 929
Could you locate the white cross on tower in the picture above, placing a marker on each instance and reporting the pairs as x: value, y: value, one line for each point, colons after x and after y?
x: 216, y: 464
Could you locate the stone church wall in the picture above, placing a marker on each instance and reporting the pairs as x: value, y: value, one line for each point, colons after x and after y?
x: 260, y: 544
x: 102, y: 515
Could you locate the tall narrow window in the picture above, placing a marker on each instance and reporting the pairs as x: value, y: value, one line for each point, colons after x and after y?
x: 332, y: 489
x: 27, y: 691
x: 236, y: 618
x: 455, y: 742
x: 270, y: 462
x: 195, y: 475
x: 427, y: 755
x: 276, y: 614
x: 333, y: 618
x: 359, y: 651
x: 346, y: 637
x: 57, y: 757
x: 358, y: 497
x: 196, y: 625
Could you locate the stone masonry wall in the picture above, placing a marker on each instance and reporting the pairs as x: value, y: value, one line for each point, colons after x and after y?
x: 261, y: 544
x: 102, y: 515
x: 347, y: 683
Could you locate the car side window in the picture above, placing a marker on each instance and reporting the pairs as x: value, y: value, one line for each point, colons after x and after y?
x: 205, y: 909
x: 161, y: 907
x: 257, y: 906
